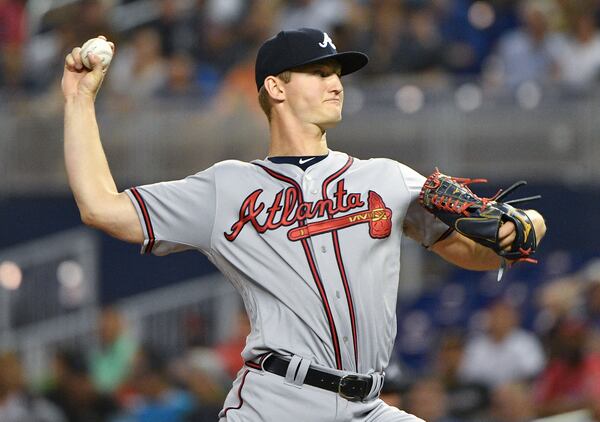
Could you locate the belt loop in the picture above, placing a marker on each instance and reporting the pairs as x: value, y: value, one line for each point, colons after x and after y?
x: 263, y: 358
x: 296, y: 371
x: 378, y: 379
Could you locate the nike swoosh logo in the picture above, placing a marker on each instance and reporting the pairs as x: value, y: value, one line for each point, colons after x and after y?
x: 303, y: 161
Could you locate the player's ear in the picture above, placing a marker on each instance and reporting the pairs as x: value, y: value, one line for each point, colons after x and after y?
x: 274, y: 86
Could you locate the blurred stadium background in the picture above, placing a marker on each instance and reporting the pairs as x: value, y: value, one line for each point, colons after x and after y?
x: 501, y: 89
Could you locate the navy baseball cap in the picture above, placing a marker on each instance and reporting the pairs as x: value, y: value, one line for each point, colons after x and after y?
x: 290, y: 49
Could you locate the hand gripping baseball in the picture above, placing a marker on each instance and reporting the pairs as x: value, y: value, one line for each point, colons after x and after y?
x: 481, y: 219
x: 77, y: 79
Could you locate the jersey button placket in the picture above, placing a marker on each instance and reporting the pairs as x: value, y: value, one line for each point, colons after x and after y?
x: 325, y: 261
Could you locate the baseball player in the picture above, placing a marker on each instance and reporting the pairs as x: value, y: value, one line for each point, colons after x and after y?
x: 310, y: 237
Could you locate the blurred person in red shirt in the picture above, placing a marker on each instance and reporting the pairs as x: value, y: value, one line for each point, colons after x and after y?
x: 71, y: 389
x: 230, y: 350
x: 13, y: 33
x: 571, y: 381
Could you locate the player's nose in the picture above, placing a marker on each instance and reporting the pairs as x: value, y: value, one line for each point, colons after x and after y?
x: 335, y: 86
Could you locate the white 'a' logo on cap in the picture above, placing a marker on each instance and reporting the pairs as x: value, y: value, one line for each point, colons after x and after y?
x: 327, y: 40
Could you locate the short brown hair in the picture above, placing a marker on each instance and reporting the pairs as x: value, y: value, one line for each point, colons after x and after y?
x: 263, y: 96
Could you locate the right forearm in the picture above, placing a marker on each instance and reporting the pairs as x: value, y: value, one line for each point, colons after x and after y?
x: 100, y: 204
x: 87, y: 168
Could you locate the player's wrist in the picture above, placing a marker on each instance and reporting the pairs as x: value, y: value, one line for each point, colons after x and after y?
x: 79, y: 98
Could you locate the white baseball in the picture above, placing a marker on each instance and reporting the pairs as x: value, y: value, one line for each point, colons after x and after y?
x: 100, y: 48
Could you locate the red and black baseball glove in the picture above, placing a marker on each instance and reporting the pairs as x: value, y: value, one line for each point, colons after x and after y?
x: 451, y: 200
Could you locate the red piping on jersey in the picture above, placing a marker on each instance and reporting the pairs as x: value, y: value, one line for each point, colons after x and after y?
x: 313, y: 268
x: 340, y: 262
x: 239, y: 395
x: 253, y: 365
x: 147, y: 221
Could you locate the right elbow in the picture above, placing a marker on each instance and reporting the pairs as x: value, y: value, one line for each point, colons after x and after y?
x: 90, y: 219
x: 113, y: 215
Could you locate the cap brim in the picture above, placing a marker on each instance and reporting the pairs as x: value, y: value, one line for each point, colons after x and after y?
x: 350, y: 61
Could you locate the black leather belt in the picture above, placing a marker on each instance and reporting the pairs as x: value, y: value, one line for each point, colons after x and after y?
x: 350, y: 387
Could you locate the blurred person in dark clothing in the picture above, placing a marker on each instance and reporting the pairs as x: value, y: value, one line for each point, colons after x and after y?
x: 470, y: 29
x: 73, y: 392
x: 174, y: 27
x: 592, y: 304
x: 181, y: 83
x: 420, y: 47
x: 17, y: 404
x: 571, y: 380
x: 226, y: 34
x: 592, y: 313
x: 395, y: 385
x: 404, y: 38
x: 207, y: 372
x: 466, y: 400
x: 238, y: 88
x: 90, y: 18
x: 386, y: 26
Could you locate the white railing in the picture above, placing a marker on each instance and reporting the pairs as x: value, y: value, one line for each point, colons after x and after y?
x: 50, y: 277
x: 157, y: 318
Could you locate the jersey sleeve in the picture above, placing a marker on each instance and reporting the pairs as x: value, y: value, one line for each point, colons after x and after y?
x: 419, y: 224
x: 177, y: 215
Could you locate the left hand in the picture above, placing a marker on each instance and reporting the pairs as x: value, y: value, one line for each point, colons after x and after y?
x: 507, y: 232
x: 507, y: 235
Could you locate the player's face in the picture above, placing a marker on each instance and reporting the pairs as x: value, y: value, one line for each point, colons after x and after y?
x: 315, y: 94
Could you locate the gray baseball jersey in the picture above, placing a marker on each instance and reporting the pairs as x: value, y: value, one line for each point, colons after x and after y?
x: 314, y: 254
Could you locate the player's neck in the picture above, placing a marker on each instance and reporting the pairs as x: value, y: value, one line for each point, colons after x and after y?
x: 297, y: 139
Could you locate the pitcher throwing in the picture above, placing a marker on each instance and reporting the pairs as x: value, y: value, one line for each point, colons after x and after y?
x: 310, y: 237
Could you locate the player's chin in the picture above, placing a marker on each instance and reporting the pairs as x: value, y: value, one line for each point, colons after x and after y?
x: 330, y: 121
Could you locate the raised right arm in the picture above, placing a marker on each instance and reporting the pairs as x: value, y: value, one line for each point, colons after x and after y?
x: 100, y: 203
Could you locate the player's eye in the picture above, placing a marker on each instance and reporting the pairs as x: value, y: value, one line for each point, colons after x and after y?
x: 326, y: 72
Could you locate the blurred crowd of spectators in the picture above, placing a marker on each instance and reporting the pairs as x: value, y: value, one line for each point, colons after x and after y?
x: 123, y: 380
x: 196, y: 49
x: 500, y: 372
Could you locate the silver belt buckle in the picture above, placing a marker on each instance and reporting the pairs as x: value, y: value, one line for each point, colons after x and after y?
x: 353, y: 387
